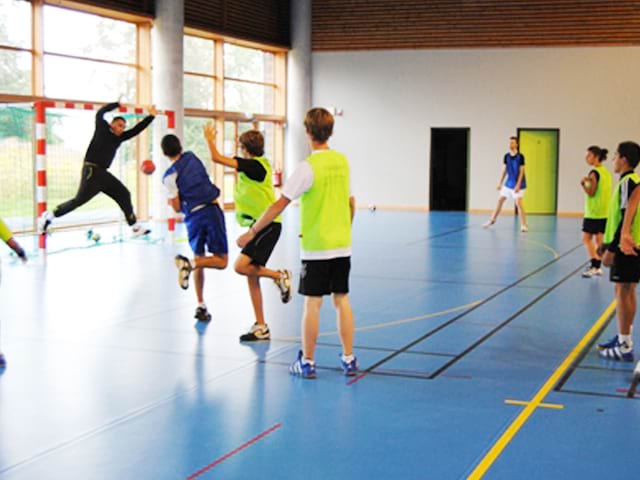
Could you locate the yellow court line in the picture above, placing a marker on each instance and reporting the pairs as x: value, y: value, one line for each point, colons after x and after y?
x: 392, y: 323
x: 555, y: 406
x: 556, y: 255
x: 536, y: 401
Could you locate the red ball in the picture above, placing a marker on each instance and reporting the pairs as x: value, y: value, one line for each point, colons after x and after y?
x: 148, y: 167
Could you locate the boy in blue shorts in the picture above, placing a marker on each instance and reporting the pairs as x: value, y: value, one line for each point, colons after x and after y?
x: 192, y: 193
x: 514, y: 186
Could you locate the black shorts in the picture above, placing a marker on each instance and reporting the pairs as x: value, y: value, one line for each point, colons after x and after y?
x: 260, y: 248
x: 324, y: 277
x: 625, y: 268
x: 594, y: 225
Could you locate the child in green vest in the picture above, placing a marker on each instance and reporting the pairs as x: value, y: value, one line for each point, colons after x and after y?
x: 322, y: 182
x: 597, y: 189
x: 625, y: 264
x: 6, y: 235
x: 252, y: 196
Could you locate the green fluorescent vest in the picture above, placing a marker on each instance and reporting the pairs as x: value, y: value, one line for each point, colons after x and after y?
x: 253, y: 198
x: 598, y: 205
x: 615, y: 215
x: 325, y: 212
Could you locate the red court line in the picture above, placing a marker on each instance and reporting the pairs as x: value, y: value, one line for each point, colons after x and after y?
x: 248, y: 443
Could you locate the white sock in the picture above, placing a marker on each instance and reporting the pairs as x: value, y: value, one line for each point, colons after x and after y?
x: 307, y: 361
x: 625, y: 339
x: 202, y: 305
x: 347, y: 358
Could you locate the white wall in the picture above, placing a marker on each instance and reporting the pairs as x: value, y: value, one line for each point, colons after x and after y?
x: 391, y: 99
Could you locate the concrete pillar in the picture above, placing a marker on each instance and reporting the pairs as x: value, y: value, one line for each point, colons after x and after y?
x: 298, y: 84
x: 167, y: 45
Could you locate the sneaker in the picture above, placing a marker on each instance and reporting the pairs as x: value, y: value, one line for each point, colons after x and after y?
x: 301, y: 368
x: 488, y: 224
x: 202, y: 314
x: 598, y: 272
x: 256, y: 333
x: 617, y: 352
x: 44, y: 221
x: 184, y: 270
x: 138, y: 231
x: 3, y: 361
x: 350, y: 369
x: 284, y: 284
x: 590, y: 272
x: 524, y: 228
x: 609, y: 344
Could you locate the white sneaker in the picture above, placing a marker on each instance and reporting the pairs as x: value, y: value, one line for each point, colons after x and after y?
x: 598, y: 272
x: 44, y: 221
x: 488, y: 224
x: 524, y: 229
x: 139, y: 231
x: 590, y: 272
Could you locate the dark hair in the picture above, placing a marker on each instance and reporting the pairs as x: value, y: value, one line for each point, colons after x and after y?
x: 253, y: 142
x: 171, y: 145
x: 630, y: 151
x: 601, y: 153
x: 515, y: 138
x: 319, y: 124
x: 119, y: 118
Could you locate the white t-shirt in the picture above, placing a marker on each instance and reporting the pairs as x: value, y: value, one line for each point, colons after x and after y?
x: 298, y: 183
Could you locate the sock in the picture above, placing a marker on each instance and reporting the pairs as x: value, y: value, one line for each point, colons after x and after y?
x: 307, y: 361
x: 202, y: 305
x: 625, y: 339
x: 596, y: 263
x: 347, y: 358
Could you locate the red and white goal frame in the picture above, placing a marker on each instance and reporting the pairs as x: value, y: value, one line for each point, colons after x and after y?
x: 40, y: 107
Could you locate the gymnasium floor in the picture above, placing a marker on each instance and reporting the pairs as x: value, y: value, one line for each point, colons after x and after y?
x: 109, y: 376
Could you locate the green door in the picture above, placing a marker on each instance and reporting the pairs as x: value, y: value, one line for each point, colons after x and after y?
x: 540, y: 150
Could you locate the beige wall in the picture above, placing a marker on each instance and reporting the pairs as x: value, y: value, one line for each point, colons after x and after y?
x: 391, y: 99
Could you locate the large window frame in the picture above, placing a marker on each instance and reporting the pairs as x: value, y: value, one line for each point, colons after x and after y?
x: 219, y: 115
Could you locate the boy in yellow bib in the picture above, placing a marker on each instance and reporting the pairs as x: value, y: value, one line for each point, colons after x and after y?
x: 322, y: 183
x: 252, y: 196
x: 624, y: 263
x: 597, y: 189
x: 6, y: 235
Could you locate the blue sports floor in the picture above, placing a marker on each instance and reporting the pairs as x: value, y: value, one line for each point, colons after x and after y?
x: 110, y: 377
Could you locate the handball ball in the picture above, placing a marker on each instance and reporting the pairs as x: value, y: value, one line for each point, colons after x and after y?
x: 372, y: 208
x: 148, y: 167
x: 96, y: 237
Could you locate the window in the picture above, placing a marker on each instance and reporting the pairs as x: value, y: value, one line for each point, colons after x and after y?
x: 15, y: 47
x: 101, y: 53
x: 199, y: 78
x: 249, y: 80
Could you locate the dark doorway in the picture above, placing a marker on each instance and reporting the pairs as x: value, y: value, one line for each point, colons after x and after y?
x: 449, y: 156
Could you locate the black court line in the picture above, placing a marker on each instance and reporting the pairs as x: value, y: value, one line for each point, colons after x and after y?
x: 484, y: 338
x: 382, y: 349
x: 414, y: 374
x: 466, y: 312
x: 605, y: 369
x: 565, y: 378
x: 598, y: 394
x: 437, y: 235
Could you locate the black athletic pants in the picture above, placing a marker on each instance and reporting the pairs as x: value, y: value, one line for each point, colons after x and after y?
x: 94, y: 180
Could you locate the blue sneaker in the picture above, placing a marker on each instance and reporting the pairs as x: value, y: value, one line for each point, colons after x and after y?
x: 617, y: 351
x: 610, y: 344
x: 350, y: 369
x: 3, y: 361
x: 302, y: 369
